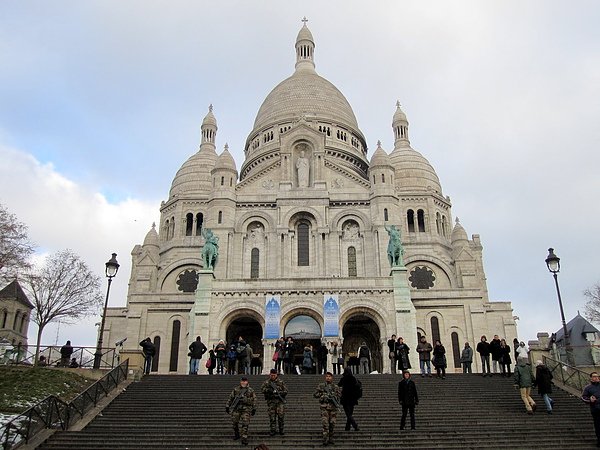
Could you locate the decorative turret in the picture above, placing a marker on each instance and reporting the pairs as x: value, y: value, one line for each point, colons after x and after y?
x: 400, y: 126
x: 151, y: 243
x: 305, y: 49
x: 225, y: 173
x: 209, y: 128
x: 459, y: 235
x: 381, y: 171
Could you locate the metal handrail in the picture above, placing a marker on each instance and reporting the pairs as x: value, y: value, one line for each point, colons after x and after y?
x: 52, y: 412
x: 83, y: 355
x: 567, y: 375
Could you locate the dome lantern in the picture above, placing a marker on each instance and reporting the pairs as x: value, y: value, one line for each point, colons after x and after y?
x: 400, y: 126
x: 305, y: 49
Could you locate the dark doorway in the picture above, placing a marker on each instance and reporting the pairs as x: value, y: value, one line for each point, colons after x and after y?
x: 305, y: 331
x: 358, y: 329
x: 252, y: 332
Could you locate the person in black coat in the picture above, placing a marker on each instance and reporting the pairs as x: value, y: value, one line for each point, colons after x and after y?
x: 148, y: 349
x: 483, y: 348
x: 351, y: 391
x: 439, y: 359
x: 392, y: 355
x: 543, y: 381
x: 65, y: 354
x: 408, y: 398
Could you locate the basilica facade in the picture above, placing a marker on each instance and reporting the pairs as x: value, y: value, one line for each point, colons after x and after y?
x: 302, y: 233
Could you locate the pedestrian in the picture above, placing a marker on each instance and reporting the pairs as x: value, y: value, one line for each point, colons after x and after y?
x: 65, y: 354
x: 241, y: 405
x: 522, y: 352
x: 505, y: 360
x: 524, y: 380
x: 278, y: 354
x: 329, y: 396
x: 392, y: 352
x: 496, y: 353
x: 211, y: 362
x: 515, y: 348
x: 336, y: 357
x: 408, y: 398
x: 439, y: 360
x: 221, y: 356
x: 543, y: 381
x: 73, y: 364
x: 322, y: 358
x: 231, y: 360
x: 242, y: 363
x: 351, y: 393
x: 590, y: 395
x: 466, y: 358
x: 424, y: 349
x: 364, y: 358
x: 148, y: 350
x: 402, y: 351
x: 307, y: 359
x: 288, y: 355
x: 275, y: 391
x: 197, y: 349
x: 483, y: 348
x: 248, y: 360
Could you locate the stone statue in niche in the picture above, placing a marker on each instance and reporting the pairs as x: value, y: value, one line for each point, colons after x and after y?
x: 256, y: 232
x: 303, y: 169
x: 351, y: 231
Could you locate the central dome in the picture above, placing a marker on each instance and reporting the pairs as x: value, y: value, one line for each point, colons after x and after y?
x: 305, y: 93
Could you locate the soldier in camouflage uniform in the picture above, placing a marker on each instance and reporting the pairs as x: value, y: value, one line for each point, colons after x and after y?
x: 329, y: 399
x: 241, y: 405
x: 275, y: 391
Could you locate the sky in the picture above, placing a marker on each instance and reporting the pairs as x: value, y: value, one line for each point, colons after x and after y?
x: 101, y: 102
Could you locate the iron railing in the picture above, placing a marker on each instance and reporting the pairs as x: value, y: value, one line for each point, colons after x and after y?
x: 84, y: 356
x: 567, y: 375
x: 52, y: 412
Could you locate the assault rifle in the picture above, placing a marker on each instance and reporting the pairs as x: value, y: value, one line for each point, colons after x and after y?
x: 276, y: 392
x: 237, y: 399
x: 332, y: 398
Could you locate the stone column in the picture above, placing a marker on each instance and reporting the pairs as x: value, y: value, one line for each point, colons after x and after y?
x: 406, y: 314
x: 268, y: 351
x: 199, y: 323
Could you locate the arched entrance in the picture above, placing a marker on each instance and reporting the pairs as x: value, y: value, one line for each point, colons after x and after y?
x: 251, y: 331
x: 304, y: 330
x: 360, y: 328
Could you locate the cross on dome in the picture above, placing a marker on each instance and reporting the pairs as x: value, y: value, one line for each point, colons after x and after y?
x: 226, y: 147
x: 210, y: 107
x: 304, y: 19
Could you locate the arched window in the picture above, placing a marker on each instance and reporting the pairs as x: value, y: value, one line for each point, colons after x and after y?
x: 385, y: 214
x: 254, y: 262
x: 455, y: 349
x: 437, y: 222
x: 435, y: 330
x: 189, y: 224
x: 351, y: 262
x: 199, y: 220
x: 383, y: 177
x: 16, y: 321
x: 222, y: 181
x: 421, y: 220
x: 303, y: 245
x: 444, y: 225
x: 154, y: 367
x: 22, y: 326
x: 220, y: 219
x: 419, y: 335
x: 172, y: 228
x: 4, y: 317
x: 175, y: 346
x: 410, y: 217
x: 166, y: 229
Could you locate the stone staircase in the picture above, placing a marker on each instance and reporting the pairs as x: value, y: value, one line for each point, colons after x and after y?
x: 462, y: 412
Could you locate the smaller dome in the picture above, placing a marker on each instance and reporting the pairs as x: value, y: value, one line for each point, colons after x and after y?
x: 194, y: 175
x: 380, y: 157
x: 413, y: 171
x: 304, y: 34
x: 399, y: 115
x: 151, y: 238
x: 225, y: 161
x: 210, y: 119
x: 458, y: 233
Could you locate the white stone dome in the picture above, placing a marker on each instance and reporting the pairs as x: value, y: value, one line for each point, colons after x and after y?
x: 225, y: 161
x: 380, y: 157
x: 458, y: 233
x: 413, y: 171
x: 194, y: 175
x: 151, y: 238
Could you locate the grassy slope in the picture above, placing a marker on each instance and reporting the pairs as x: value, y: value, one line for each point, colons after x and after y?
x: 22, y: 387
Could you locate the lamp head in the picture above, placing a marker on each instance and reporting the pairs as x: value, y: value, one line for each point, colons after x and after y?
x: 553, y: 261
x: 112, y: 266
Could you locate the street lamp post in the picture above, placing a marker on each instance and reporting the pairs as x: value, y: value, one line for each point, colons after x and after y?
x: 553, y: 263
x: 112, y: 267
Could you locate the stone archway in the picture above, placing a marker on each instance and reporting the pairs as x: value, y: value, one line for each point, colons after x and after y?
x: 305, y: 330
x: 361, y: 328
x: 252, y: 332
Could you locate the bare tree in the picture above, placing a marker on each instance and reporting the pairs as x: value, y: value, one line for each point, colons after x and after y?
x: 15, y: 248
x: 63, y: 289
x: 592, y: 306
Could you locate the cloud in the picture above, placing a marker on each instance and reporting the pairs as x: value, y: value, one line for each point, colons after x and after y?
x: 62, y: 214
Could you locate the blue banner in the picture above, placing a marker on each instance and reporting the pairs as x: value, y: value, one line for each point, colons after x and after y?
x: 331, y: 316
x: 272, y: 316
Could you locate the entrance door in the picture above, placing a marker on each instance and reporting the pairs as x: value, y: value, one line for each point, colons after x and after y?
x: 305, y: 331
x: 252, y: 332
x: 360, y: 328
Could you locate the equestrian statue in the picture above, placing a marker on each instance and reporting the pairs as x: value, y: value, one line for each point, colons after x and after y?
x: 210, y: 251
x: 395, y: 249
